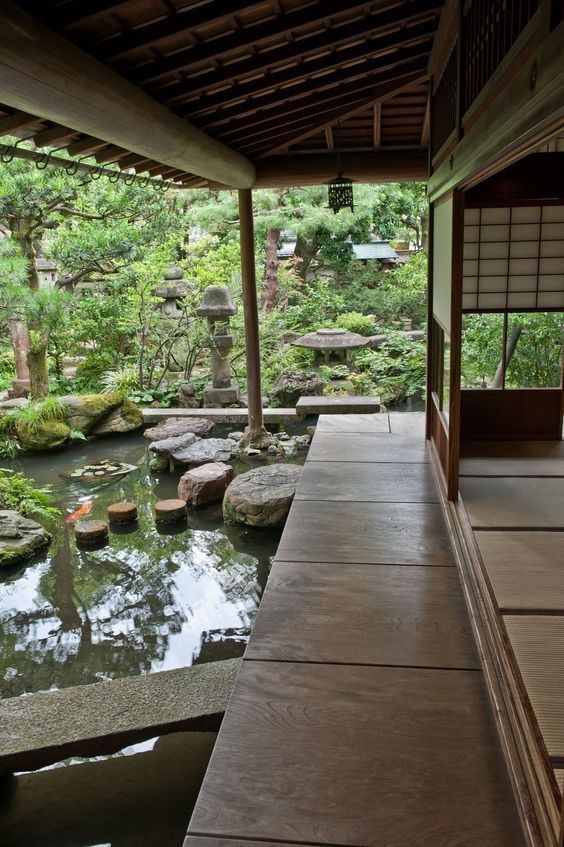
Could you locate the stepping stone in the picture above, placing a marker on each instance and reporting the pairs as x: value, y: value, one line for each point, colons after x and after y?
x: 173, y: 427
x: 20, y: 537
x: 170, y: 511
x: 261, y: 497
x: 336, y: 405
x: 91, y: 532
x: 205, y: 484
x: 122, y: 512
x: 202, y: 451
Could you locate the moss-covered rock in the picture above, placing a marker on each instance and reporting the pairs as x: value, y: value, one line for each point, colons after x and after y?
x: 127, y: 417
x: 20, y: 537
x: 45, y: 435
x: 84, y: 411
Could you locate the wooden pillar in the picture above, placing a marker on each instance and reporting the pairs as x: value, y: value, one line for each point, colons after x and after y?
x: 255, y: 427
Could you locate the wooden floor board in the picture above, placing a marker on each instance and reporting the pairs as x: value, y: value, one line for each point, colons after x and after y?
x: 378, y: 533
x: 526, y: 569
x: 388, y: 482
x: 359, y: 756
x: 410, y: 424
x: 361, y: 614
x: 538, y: 644
x: 378, y: 422
x: 367, y: 447
x: 526, y: 503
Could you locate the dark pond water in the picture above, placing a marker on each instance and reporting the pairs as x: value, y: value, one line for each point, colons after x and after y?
x: 146, y: 602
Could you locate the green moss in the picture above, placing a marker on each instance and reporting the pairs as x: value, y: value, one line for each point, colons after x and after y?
x: 45, y: 435
x: 131, y: 413
x: 98, y: 404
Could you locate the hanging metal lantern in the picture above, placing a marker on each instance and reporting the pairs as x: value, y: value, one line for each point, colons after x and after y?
x: 340, y: 194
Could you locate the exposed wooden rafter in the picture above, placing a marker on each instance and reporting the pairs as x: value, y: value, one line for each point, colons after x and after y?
x: 377, y: 131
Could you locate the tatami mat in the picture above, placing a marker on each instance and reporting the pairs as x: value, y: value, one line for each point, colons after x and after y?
x: 522, y: 503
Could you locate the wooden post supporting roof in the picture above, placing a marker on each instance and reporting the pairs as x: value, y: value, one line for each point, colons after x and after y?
x: 256, y: 432
x: 44, y: 74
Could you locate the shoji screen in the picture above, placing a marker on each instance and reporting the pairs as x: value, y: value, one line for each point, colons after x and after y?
x: 513, y: 258
x: 442, y: 262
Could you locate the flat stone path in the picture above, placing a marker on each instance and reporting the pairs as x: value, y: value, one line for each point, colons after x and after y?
x: 103, y: 717
x: 360, y: 717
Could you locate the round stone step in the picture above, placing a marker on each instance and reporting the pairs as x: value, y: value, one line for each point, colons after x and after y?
x: 123, y: 512
x: 170, y: 511
x: 91, y: 532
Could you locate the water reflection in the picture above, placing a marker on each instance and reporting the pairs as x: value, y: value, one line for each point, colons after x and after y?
x: 147, y: 601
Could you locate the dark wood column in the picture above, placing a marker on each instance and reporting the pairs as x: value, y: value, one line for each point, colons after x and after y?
x: 255, y: 430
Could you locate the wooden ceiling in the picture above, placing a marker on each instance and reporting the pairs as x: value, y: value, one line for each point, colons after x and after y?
x: 266, y: 78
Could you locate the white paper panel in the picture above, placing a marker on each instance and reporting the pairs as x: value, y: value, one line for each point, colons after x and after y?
x: 493, y: 267
x: 471, y: 251
x: 525, y: 214
x: 523, y: 283
x: 495, y: 216
x: 551, y: 300
x: 523, y: 266
x: 497, y: 250
x: 495, y: 233
x: 471, y: 216
x: 551, y: 283
x: 469, y: 301
x: 471, y: 234
x: 470, y: 283
x: 553, y: 213
x: 525, y: 232
x: 551, y: 266
x: 524, y: 249
x: 492, y: 283
x: 491, y: 301
x: 442, y: 262
x: 551, y: 248
x: 554, y: 231
x: 521, y: 301
x: 470, y: 267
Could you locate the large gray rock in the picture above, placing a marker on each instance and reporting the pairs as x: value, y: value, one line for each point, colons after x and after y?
x: 261, y: 497
x: 166, y: 446
x: 289, y: 387
x: 202, y: 451
x: 174, y: 427
x: 205, y: 484
x: 20, y: 537
x: 83, y: 411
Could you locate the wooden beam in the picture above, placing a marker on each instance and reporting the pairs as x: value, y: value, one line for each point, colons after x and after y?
x: 218, y: 48
x: 329, y: 139
x: 380, y: 92
x: 51, y: 136
x: 250, y: 309
x: 426, y: 124
x: 377, y: 133
x: 19, y: 120
x: 383, y: 166
x: 42, y: 73
x: 366, y: 29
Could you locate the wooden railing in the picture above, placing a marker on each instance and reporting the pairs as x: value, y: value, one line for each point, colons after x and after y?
x: 444, y: 108
x: 489, y: 30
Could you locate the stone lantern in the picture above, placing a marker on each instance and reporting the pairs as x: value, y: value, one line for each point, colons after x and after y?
x: 172, y: 289
x: 218, y: 307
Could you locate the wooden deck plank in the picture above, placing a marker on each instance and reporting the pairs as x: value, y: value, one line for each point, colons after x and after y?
x: 359, y: 756
x: 526, y: 569
x: 377, y: 533
x: 367, y: 447
x: 378, y: 422
x: 411, y: 424
x: 390, y: 482
x: 522, y: 503
x: 538, y: 644
x: 389, y: 615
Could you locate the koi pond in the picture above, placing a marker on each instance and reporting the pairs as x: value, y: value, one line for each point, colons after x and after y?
x: 151, y: 599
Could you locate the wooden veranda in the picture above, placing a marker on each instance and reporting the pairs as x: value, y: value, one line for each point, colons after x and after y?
x: 257, y: 93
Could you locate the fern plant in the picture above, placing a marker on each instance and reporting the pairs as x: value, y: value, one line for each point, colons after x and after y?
x: 18, y: 492
x: 31, y: 416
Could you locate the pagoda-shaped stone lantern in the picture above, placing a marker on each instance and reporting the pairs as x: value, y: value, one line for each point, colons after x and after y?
x: 218, y: 307
x: 172, y: 289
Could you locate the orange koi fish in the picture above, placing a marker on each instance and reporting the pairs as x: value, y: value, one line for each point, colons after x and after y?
x: 85, y: 509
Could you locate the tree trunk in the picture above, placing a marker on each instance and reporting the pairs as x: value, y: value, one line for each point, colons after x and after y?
x: 271, y: 281
x: 305, y: 251
x: 38, y: 373
x: 20, y: 346
x: 424, y: 230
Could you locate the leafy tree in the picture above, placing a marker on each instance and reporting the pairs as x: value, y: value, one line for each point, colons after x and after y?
x: 88, y: 226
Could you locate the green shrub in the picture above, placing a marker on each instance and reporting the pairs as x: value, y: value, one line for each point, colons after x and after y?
x: 18, y: 492
x: 32, y: 416
x: 7, y: 369
x: 355, y: 322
